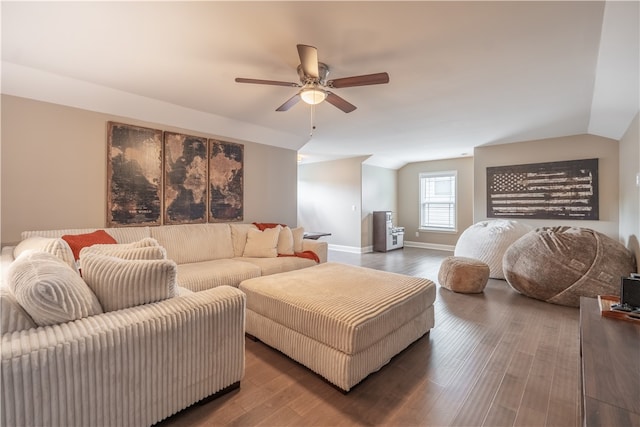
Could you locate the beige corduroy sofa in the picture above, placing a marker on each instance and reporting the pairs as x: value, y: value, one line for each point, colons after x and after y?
x: 141, y: 364
x: 208, y: 255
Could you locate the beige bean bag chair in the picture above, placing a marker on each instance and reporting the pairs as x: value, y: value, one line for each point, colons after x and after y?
x: 561, y: 264
x: 487, y: 241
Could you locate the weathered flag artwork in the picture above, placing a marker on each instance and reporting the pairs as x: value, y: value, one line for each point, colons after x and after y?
x: 556, y: 190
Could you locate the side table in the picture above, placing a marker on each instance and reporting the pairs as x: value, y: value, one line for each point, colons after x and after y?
x: 315, y: 235
x: 610, y: 368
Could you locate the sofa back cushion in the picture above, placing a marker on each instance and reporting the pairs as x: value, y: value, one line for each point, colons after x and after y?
x: 239, y: 237
x: 195, y: 242
x: 122, y: 234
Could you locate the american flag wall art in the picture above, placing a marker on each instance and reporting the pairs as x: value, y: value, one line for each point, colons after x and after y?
x: 555, y: 190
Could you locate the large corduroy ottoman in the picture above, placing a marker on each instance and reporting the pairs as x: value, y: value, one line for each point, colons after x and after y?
x: 341, y: 321
x: 561, y: 264
x: 488, y: 240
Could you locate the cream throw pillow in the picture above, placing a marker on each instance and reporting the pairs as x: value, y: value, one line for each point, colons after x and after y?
x: 285, y: 241
x: 57, y: 247
x: 13, y: 318
x: 298, y: 235
x: 120, y: 283
x: 262, y: 244
x: 49, y: 290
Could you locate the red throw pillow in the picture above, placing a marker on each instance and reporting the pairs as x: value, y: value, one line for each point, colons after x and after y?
x: 79, y: 241
x: 264, y: 225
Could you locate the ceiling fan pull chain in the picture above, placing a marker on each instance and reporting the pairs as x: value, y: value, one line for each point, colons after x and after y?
x: 311, y: 125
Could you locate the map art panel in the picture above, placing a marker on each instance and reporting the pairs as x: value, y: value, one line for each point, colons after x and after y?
x: 134, y: 176
x: 185, y: 179
x: 226, y: 169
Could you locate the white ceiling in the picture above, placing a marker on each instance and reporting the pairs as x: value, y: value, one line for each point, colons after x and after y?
x: 462, y: 74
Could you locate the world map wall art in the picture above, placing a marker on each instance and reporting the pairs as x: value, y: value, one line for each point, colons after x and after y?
x: 157, y: 177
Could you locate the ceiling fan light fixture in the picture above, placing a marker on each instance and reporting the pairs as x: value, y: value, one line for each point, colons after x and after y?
x: 313, y: 95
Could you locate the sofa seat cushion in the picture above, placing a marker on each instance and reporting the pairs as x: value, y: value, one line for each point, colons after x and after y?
x: 204, y: 275
x: 193, y: 243
x: 278, y: 265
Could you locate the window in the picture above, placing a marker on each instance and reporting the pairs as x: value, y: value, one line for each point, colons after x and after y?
x: 438, y: 201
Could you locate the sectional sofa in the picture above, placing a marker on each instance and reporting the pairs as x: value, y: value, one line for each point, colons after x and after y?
x: 123, y: 357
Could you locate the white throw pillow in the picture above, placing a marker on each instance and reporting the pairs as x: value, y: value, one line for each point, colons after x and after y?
x: 298, y: 235
x: 120, y: 283
x: 262, y: 244
x: 57, y: 247
x: 285, y: 241
x: 49, y: 290
x: 13, y: 318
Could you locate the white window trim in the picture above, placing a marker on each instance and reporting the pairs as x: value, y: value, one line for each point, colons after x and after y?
x: 422, y: 175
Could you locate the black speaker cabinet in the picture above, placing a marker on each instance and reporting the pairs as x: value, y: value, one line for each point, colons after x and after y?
x: 630, y: 291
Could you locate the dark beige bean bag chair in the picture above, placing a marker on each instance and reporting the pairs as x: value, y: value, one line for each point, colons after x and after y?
x: 561, y: 264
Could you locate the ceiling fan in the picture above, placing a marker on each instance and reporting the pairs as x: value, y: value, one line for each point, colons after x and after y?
x: 314, y: 84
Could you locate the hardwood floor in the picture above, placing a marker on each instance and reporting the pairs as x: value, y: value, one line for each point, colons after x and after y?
x: 492, y: 359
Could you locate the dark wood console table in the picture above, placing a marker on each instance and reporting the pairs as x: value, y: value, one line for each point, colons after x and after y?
x: 610, y: 364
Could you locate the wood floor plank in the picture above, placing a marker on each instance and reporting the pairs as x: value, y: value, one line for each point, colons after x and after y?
x: 496, y: 358
x: 565, y: 393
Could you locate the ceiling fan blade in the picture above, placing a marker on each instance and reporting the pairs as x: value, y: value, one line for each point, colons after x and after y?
x: 336, y: 101
x: 309, y: 60
x: 368, y: 79
x: 266, y: 82
x: 289, y: 103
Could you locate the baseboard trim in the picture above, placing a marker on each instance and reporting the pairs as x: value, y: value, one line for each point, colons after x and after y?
x: 367, y: 249
x: 434, y: 246
x: 350, y: 249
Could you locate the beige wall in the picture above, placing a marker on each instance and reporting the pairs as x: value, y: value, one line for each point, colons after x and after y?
x: 409, y: 200
x: 330, y: 200
x: 630, y: 189
x: 551, y: 150
x: 379, y: 193
x: 54, y: 170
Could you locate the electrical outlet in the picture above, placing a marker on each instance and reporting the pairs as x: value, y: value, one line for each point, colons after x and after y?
x: 417, y: 234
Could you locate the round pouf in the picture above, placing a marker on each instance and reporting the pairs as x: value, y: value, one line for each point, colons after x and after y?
x: 464, y: 275
x: 487, y: 241
x: 561, y: 264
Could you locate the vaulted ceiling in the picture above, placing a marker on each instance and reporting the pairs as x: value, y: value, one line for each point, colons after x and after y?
x: 462, y: 74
